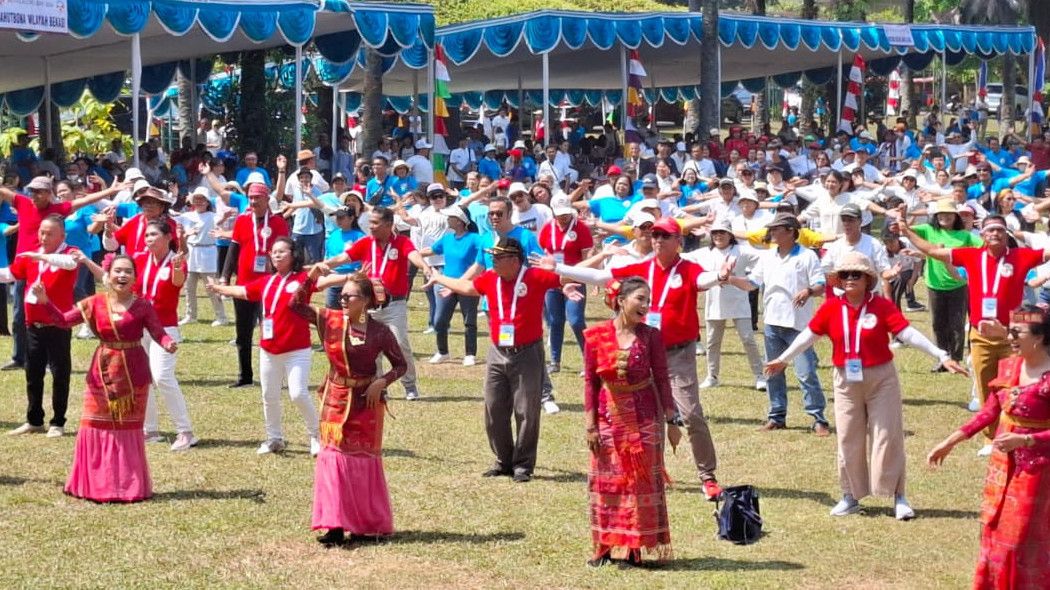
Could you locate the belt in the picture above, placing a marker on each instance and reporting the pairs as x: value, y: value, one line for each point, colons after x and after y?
x: 679, y: 346
x: 627, y: 387
x: 400, y: 298
x: 514, y: 349
x: 348, y: 381
x: 120, y: 344
x: 1023, y: 422
x: 41, y: 325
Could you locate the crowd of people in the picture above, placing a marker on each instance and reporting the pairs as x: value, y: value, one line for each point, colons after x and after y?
x: 792, y: 235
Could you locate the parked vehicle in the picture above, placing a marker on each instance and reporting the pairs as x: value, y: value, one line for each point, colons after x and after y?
x: 995, y: 97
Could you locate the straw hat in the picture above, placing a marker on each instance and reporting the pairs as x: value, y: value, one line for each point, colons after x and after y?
x: 944, y: 206
x: 858, y: 261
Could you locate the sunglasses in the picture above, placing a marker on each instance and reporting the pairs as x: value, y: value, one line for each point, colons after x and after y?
x: 1016, y: 332
x: 662, y: 235
x: 496, y: 214
x: 850, y: 275
x: 349, y: 296
x: 503, y: 256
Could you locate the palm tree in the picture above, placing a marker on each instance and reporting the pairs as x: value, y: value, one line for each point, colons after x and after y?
x: 253, y: 114
x: 187, y: 112
x: 998, y: 12
x: 371, y: 103
x: 692, y: 107
x: 710, y: 84
x: 909, y: 99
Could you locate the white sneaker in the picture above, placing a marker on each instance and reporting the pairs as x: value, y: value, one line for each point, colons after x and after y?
x: 846, y: 506
x: 902, y: 510
x: 429, y: 330
x: 155, y: 437
x: 274, y: 445
x: 761, y: 385
x: 700, y: 349
x: 26, y: 428
x: 233, y: 342
x: 551, y: 407
x: 412, y: 395
x: 56, y: 432
x: 84, y: 333
x: 220, y: 323
x: 985, y: 451
x: 187, y: 320
x: 975, y: 405
x: 469, y: 361
x: 315, y: 446
x: 184, y: 442
x: 439, y: 358
x: 709, y: 382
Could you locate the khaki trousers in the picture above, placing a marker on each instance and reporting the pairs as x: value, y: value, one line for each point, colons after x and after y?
x: 513, y: 387
x: 681, y: 366
x: 986, y: 354
x: 871, y: 408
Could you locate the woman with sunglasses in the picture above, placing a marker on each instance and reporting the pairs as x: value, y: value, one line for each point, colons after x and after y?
x: 350, y: 492
x: 860, y: 325
x: 1015, y: 538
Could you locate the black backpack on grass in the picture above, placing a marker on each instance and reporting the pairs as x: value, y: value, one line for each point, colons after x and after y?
x: 738, y: 515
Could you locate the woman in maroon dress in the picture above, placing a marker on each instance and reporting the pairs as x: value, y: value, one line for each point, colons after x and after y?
x: 350, y: 492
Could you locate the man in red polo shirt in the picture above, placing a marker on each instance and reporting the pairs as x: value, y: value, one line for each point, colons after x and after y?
x: 387, y: 256
x: 995, y: 281
x: 53, y: 264
x: 254, y: 232
x: 675, y: 283
x: 514, y: 364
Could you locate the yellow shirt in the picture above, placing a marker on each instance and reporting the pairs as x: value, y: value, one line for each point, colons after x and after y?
x: 807, y: 238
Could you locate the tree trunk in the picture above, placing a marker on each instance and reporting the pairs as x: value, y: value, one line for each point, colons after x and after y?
x: 909, y: 97
x: 1040, y: 19
x: 371, y: 104
x: 710, y: 82
x: 55, y: 122
x: 187, y: 114
x: 252, y: 116
x: 1008, y: 100
x: 762, y: 114
x: 809, y: 90
x: 692, y: 107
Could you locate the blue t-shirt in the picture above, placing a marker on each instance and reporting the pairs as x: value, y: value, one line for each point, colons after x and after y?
x: 374, y: 187
x: 479, y: 214
x: 304, y: 221
x: 460, y: 253
x: 688, y: 191
x: 337, y: 242
x: 1026, y: 187
x: 330, y: 200
x: 612, y: 209
x: 1000, y: 157
x: 525, y: 237
x: 77, y: 230
x: 402, y: 186
x: 243, y: 172
x: 489, y: 167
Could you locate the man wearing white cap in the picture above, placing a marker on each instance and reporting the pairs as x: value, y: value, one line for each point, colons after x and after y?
x: 488, y: 166
x: 460, y: 162
x: 419, y: 163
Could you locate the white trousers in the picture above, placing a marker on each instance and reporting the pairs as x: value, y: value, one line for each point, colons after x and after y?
x: 716, y: 330
x: 162, y: 368
x: 294, y: 367
x: 191, y: 297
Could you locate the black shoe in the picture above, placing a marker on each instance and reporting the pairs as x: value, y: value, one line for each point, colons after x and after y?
x: 12, y: 366
x: 522, y: 477
x: 938, y: 368
x: 495, y: 472
x: 332, y: 538
x: 239, y: 384
x: 603, y: 560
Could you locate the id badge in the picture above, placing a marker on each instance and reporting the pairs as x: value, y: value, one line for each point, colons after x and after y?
x: 989, y: 307
x: 854, y: 371
x: 559, y: 257
x: 267, y: 329
x: 260, y: 264
x: 30, y: 297
x: 506, y: 334
x: 653, y: 318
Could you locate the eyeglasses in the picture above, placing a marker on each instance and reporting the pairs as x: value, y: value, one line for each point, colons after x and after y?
x: 496, y: 214
x: 1016, y: 332
x: 349, y: 296
x: 850, y: 275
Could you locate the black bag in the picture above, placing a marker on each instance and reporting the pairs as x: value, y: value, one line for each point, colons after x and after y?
x: 738, y: 515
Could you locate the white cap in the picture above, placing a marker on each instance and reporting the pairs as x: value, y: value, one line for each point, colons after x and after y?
x: 399, y: 164
x: 200, y: 191
x: 722, y: 224
x: 715, y: 131
x: 910, y: 173
x: 519, y: 145
x: 140, y: 184
x: 423, y: 144
x: 456, y: 212
x: 864, y: 135
x: 489, y: 147
x: 641, y: 219
x: 561, y: 205
x: 133, y: 174
x: 517, y: 187
x: 254, y: 177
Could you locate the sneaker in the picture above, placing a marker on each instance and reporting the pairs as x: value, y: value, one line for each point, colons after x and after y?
x: 233, y: 342
x: 985, y: 451
x: 26, y: 428
x: 439, y: 358
x: 902, y: 510
x: 709, y: 382
x: 495, y: 472
x: 411, y: 395
x: 914, y: 307
x: 846, y: 506
x: 155, y: 437
x: 239, y: 384
x: 761, y: 385
x: 469, y: 361
x: 187, y: 320
x: 184, y: 442
x: 315, y: 446
x: 522, y: 477
x: 896, y: 344
x: 551, y: 407
x: 712, y: 490
x: 220, y: 323
x: 84, y: 333
x: 553, y: 367
x: 700, y: 349
x: 975, y: 405
x: 274, y: 445
x: 56, y: 432
x: 429, y: 330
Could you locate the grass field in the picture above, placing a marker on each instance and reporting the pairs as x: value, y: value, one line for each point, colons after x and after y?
x: 224, y: 517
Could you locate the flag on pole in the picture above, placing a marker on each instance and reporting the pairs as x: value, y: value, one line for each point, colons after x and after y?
x: 893, y: 97
x: 1038, y: 80
x: 851, y: 102
x: 635, y: 73
x: 441, y: 93
x: 982, y: 80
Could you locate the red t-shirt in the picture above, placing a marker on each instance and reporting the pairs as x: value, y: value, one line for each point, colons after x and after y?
x: 29, y: 218
x: 132, y: 235
x: 679, y: 319
x: 155, y: 283
x: 571, y: 243
x: 57, y: 282
x: 1040, y: 156
x: 250, y: 240
x: 291, y: 331
x: 881, y: 320
x: 1015, y: 265
x: 389, y: 263
x: 528, y: 325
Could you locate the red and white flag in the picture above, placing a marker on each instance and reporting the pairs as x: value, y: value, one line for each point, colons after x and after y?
x: 851, y: 102
x: 893, y: 97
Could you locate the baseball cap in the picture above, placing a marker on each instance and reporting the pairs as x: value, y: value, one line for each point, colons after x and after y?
x: 785, y: 220
x: 255, y: 177
x: 722, y: 224
x: 850, y: 210
x: 435, y: 187
x: 42, y: 183
x: 506, y: 246
x: 667, y: 225
x: 489, y: 147
x: 562, y: 206
x: 614, y: 171
x: 503, y: 183
x: 517, y: 187
x: 423, y: 144
x: 640, y: 219
x: 649, y: 181
x: 456, y: 212
x: 200, y: 191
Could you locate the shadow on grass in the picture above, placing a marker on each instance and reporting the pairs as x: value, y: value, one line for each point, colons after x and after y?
x: 734, y: 420
x: 565, y: 407
x: 222, y: 442
x: 7, y: 480
x: 223, y: 383
x: 932, y: 402
x: 887, y: 512
x: 257, y: 496
x: 400, y: 453
x: 792, y: 494
x: 431, y: 537
x: 725, y: 565
x: 563, y: 477
x: 450, y: 398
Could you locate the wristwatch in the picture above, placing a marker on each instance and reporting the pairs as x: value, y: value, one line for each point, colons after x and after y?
x: 676, y: 420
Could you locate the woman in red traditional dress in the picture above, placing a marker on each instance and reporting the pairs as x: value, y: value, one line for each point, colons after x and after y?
x: 1015, y: 538
x: 109, y: 460
x: 626, y: 400
x: 350, y: 493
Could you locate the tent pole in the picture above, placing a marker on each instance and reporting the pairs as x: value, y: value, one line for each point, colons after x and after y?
x: 652, y: 105
x: 431, y: 106
x: 521, y: 105
x: 623, y: 91
x: 193, y: 102
x: 1033, y: 85
x: 718, y: 100
x: 838, y: 93
x: 335, y: 127
x: 136, y: 87
x: 944, y: 79
x: 47, y: 100
x: 546, y: 99
x: 298, y: 97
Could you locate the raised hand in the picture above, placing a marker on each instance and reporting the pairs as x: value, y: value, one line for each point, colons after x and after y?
x: 39, y: 292
x: 546, y: 261
x: 282, y: 163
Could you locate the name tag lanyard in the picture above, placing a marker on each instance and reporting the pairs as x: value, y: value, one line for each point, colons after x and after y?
x: 565, y: 236
x: 277, y: 295
x: 157, y: 277
x: 513, y: 300
x: 998, y: 275
x: 379, y: 269
x: 846, y: 331
x: 667, y: 283
x: 259, y: 237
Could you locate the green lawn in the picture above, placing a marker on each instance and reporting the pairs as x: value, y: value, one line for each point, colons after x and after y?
x: 224, y: 517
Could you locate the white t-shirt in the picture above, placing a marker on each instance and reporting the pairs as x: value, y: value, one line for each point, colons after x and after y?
x: 537, y: 216
x: 422, y: 169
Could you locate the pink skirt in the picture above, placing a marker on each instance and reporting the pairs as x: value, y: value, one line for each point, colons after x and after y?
x: 350, y: 493
x: 109, y: 466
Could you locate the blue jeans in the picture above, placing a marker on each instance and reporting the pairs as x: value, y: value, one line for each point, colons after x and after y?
x: 445, y: 307
x: 312, y: 245
x: 85, y: 284
x: 558, y: 308
x: 331, y: 297
x: 778, y: 338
